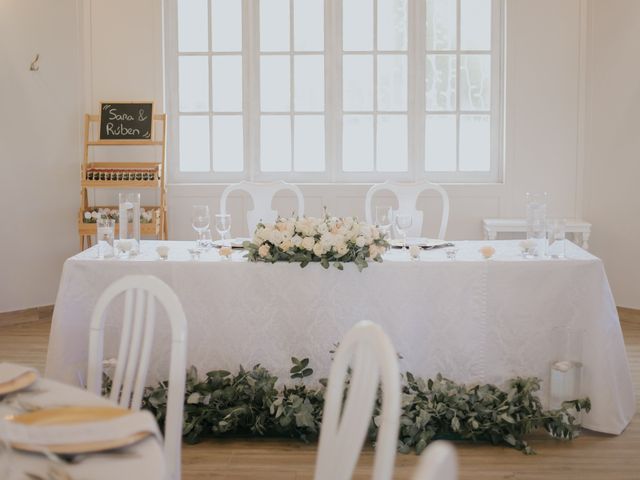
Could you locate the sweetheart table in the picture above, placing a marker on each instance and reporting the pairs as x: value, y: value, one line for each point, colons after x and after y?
x: 471, y: 319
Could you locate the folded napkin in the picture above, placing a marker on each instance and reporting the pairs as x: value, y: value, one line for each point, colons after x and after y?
x: 11, y: 371
x: 89, y: 432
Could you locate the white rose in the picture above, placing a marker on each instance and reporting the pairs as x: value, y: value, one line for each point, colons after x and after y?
x: 318, y: 249
x: 275, y: 237
x: 296, y: 240
x: 322, y: 228
x: 374, y: 251
x: 94, y: 214
x: 263, y: 251
x: 87, y: 215
x: 360, y: 242
x: 262, y: 233
x: 342, y: 249
x: 257, y: 240
x: 308, y: 243
x: 285, y: 245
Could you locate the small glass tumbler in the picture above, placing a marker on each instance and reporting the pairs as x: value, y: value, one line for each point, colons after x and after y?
x: 556, y: 230
x: 104, y: 236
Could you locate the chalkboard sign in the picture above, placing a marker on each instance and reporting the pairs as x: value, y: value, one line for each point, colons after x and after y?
x: 126, y: 121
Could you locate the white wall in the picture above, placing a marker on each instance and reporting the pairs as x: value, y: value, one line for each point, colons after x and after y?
x: 545, y: 104
x: 612, y: 173
x: 40, y: 116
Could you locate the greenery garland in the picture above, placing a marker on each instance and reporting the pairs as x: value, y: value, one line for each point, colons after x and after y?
x: 249, y: 403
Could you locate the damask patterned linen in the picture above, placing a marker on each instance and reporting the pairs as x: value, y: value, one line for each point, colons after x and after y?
x: 473, y: 320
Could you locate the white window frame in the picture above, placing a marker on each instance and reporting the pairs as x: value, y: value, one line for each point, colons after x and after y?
x: 416, y: 99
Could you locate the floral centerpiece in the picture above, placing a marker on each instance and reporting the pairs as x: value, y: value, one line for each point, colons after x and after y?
x: 326, y: 240
x: 91, y: 216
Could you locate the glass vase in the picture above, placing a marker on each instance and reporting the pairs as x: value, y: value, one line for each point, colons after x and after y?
x: 129, y: 220
x: 537, y: 223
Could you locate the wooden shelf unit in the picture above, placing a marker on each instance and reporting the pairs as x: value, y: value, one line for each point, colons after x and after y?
x: 158, y: 226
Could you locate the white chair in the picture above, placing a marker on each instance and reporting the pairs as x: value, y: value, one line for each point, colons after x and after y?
x: 262, y: 195
x: 141, y: 293
x: 344, y: 428
x: 407, y: 194
x: 438, y: 462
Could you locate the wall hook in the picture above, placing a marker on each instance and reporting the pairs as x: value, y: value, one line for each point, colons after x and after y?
x: 34, y: 65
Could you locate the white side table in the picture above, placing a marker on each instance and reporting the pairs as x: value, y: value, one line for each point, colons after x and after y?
x: 493, y: 226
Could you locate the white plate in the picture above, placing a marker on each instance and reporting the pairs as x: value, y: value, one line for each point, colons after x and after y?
x: 21, y: 381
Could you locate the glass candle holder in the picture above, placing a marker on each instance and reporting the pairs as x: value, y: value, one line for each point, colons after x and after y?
x: 129, y: 220
x: 537, y: 222
x: 105, y: 236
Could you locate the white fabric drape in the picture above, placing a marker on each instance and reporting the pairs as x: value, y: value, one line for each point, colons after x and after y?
x: 473, y: 320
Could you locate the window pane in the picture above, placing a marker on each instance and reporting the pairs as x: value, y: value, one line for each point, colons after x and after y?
x: 475, y: 91
x: 309, y: 143
x: 357, y: 71
x: 274, y: 25
x: 357, y: 25
x: 275, y: 143
x: 392, y: 24
x: 392, y: 143
x: 194, y: 143
x: 441, y: 82
x: 228, y: 143
x: 441, y: 24
x: 475, y: 143
x: 475, y: 24
x: 226, y: 25
x: 226, y: 84
x: 193, y: 79
x: 357, y: 143
x: 308, y: 25
x: 309, y: 83
x: 440, y: 152
x: 392, y: 82
x: 274, y: 83
x: 193, y: 35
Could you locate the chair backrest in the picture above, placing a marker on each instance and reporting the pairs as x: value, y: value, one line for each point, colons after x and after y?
x: 344, y: 428
x: 138, y: 323
x: 438, y: 462
x: 407, y: 194
x: 262, y: 195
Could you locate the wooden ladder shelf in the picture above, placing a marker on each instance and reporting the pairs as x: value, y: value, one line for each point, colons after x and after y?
x: 139, y: 175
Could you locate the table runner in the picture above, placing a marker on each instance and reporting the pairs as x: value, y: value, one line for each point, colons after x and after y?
x: 473, y: 320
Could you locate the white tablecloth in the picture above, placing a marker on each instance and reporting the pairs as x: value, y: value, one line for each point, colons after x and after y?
x: 471, y: 319
x: 142, y: 460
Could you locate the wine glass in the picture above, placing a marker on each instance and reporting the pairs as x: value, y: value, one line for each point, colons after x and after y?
x: 200, y: 220
x: 223, y: 225
x: 403, y: 223
x: 384, y: 215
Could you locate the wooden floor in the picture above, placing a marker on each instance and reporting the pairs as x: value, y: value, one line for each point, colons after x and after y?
x: 590, y: 457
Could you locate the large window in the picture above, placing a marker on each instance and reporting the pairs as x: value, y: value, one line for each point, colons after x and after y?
x: 334, y: 90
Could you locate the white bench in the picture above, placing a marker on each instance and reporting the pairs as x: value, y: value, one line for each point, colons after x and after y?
x: 493, y: 226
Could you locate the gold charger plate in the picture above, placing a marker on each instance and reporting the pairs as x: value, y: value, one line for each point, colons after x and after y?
x: 73, y: 416
x: 22, y: 381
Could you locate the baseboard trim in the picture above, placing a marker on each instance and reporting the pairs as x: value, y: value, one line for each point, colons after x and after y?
x: 629, y: 313
x: 28, y: 315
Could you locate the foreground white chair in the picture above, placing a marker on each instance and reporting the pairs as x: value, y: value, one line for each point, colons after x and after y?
x: 438, y: 462
x: 407, y: 194
x: 141, y: 293
x: 262, y: 195
x: 344, y: 428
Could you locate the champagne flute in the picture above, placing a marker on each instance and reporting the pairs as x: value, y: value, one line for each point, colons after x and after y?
x: 200, y: 220
x: 384, y: 216
x: 223, y: 225
x: 403, y: 223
